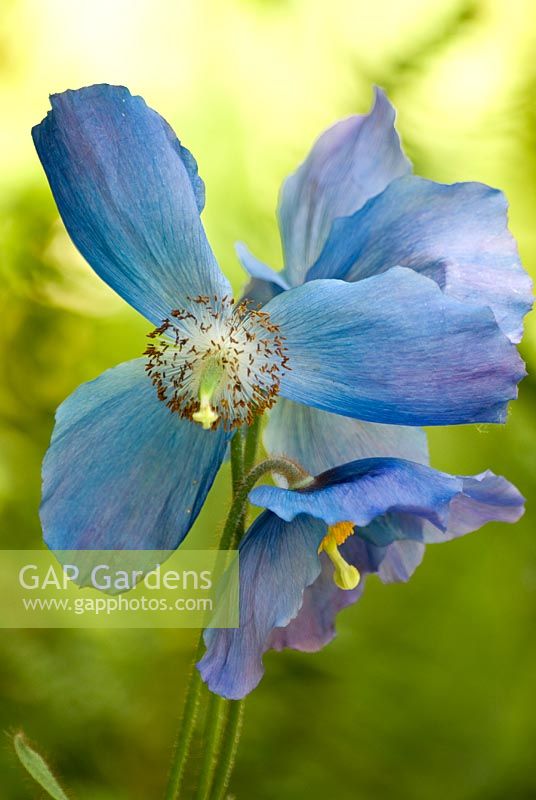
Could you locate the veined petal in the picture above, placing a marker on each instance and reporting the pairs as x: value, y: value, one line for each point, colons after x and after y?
x: 395, y: 349
x: 277, y: 562
x: 287, y: 595
x: 122, y: 471
x: 319, y: 440
x: 350, y: 162
x: 395, y: 496
x: 314, y: 626
x: 485, y: 498
x: 130, y: 197
x: 457, y: 235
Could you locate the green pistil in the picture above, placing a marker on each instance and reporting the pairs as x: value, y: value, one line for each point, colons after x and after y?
x: 210, y: 381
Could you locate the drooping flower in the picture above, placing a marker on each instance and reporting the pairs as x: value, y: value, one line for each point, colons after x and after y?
x: 135, y: 451
x: 306, y: 557
x: 354, y: 210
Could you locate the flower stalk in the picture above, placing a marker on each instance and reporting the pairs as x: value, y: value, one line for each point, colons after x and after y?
x: 223, y: 717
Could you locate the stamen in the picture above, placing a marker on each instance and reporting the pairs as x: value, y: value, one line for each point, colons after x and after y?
x: 345, y: 575
x: 217, y: 362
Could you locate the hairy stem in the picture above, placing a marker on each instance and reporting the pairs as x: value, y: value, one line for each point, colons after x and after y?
x: 186, y: 729
x: 223, y: 719
x: 250, y: 447
x: 291, y: 471
x: 233, y: 729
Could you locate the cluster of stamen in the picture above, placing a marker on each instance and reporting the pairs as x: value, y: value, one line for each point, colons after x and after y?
x: 345, y: 575
x: 217, y: 361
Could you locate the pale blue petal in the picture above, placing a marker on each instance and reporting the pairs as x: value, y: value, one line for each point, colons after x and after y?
x: 122, y: 471
x: 130, y: 197
x: 351, y: 162
x: 319, y: 440
x: 395, y: 349
x: 259, y: 292
x: 457, y: 235
x: 257, y: 269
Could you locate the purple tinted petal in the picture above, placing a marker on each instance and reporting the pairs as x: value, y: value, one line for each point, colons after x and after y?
x: 277, y: 562
x: 457, y: 235
x: 484, y: 498
x: 314, y: 627
x: 387, y: 499
x: 394, y: 349
x: 351, y: 162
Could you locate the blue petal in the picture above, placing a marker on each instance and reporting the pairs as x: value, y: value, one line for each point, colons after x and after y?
x: 277, y: 562
x: 395, y: 349
x: 485, y: 498
x: 318, y: 440
x: 257, y: 269
x: 399, y: 560
x: 122, y: 471
x: 396, y: 495
x: 288, y: 597
x: 265, y: 282
x: 314, y: 626
x: 457, y: 235
x: 130, y: 197
x: 351, y: 162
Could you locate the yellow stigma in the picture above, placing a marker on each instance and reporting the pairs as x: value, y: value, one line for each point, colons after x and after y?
x: 345, y: 575
x: 209, y: 383
x: 206, y: 416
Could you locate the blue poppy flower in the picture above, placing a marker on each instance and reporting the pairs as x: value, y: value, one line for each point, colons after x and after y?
x: 135, y: 451
x: 354, y: 210
x: 306, y: 557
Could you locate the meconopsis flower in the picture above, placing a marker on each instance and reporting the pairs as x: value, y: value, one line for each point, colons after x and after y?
x: 354, y: 210
x: 306, y: 557
x: 135, y: 451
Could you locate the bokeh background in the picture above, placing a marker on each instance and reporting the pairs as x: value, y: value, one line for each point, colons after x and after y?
x: 428, y: 690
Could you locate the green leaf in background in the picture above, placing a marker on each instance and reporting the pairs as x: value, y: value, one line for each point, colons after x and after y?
x: 37, y: 767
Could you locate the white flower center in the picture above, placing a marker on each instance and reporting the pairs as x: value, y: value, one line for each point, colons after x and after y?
x: 217, y: 362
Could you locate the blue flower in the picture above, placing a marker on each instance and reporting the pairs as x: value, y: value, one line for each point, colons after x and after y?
x: 135, y: 451
x: 306, y: 557
x: 353, y: 210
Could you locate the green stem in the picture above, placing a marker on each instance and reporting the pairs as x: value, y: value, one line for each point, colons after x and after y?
x: 237, y: 461
x: 217, y: 707
x: 291, y: 471
x: 232, y: 728
x: 186, y: 729
x: 231, y: 738
x: 250, y: 447
x: 211, y: 745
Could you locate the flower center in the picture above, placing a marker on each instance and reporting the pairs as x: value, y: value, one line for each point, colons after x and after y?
x: 216, y: 362
x: 345, y: 575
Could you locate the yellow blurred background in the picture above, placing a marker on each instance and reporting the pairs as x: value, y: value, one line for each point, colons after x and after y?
x: 428, y: 691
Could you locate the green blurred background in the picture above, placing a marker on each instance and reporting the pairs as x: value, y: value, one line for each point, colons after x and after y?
x: 428, y: 690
